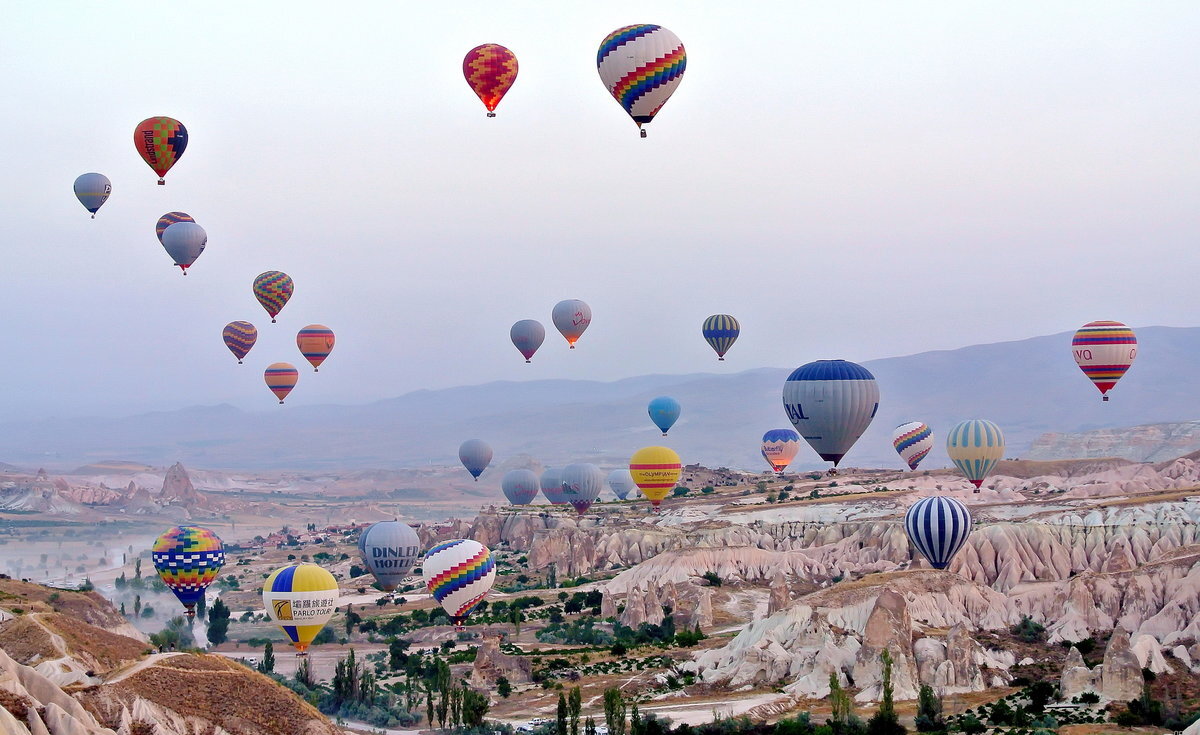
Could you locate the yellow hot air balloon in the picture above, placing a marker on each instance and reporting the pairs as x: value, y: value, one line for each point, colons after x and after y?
x: 655, y: 471
x: 300, y: 598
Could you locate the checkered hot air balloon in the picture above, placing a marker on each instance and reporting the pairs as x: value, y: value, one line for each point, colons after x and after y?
x: 490, y: 69
x: 938, y: 527
x: 721, y: 331
x: 273, y: 289
x: 1104, y: 351
x: 188, y: 559
x: 160, y: 141
x: 459, y: 574
x: 641, y: 66
x: 169, y: 219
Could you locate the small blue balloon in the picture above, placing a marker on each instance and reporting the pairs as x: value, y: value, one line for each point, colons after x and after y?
x: 664, y: 412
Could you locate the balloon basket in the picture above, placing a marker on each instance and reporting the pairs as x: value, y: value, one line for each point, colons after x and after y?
x: 281, y: 403
x: 315, y: 370
x: 491, y: 114
x: 1103, y: 398
x: 643, y: 135
x: 94, y: 217
x: 572, y: 347
x: 163, y: 182
x: 528, y: 362
x: 239, y: 362
x: 272, y: 318
x: 719, y: 359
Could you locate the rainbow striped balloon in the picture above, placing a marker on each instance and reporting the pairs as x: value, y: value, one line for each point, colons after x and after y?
x: 188, y: 559
x: 281, y: 377
x: 273, y: 289
x: 459, y: 574
x: 641, y: 65
x: 490, y: 69
x: 912, y: 442
x: 239, y: 338
x: 1104, y: 351
x: 315, y: 342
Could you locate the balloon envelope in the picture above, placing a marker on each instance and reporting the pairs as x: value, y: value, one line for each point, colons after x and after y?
x: 169, y: 219
x: 490, y: 69
x: 475, y: 454
x: 459, y: 574
x: 780, y: 447
x: 239, y: 338
x: 92, y: 191
x: 721, y: 331
x: 975, y: 447
x: 184, y: 242
x: 520, y: 486
x: 912, y: 442
x: 1104, y: 351
x: 390, y: 549
x: 315, y: 342
x: 938, y: 527
x: 571, y: 317
x: 641, y: 66
x: 831, y: 403
x: 160, y: 141
x: 273, y: 289
x: 581, y: 484
x: 621, y: 483
x: 527, y: 336
x: 656, y: 471
x: 664, y: 412
x: 281, y: 377
x: 551, y: 482
x: 300, y: 598
x: 188, y: 559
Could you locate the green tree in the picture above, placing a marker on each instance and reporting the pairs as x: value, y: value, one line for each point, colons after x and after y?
x: 840, y: 703
x: 1040, y: 693
x: 304, y: 673
x: 929, y: 711
x: 560, y: 718
x: 1029, y: 631
x: 970, y: 725
x: 515, y: 616
x: 218, y: 623
x: 267, y: 665
x: 398, y: 654
x: 589, y: 726
x: 474, y: 707
x: 885, y: 721
x: 503, y: 687
x: 574, y: 705
x: 614, y: 711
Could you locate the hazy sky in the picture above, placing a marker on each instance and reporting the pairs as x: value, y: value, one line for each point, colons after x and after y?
x: 849, y: 179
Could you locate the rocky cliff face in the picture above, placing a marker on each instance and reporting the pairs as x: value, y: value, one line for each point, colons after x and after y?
x: 1149, y: 443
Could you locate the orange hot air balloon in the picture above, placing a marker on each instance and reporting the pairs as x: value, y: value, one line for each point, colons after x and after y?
x: 655, y: 471
x: 490, y: 69
x: 315, y: 342
x: 160, y: 141
x: 281, y: 377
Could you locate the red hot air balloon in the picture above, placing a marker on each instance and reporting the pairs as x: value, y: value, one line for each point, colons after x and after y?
x: 490, y: 69
x: 160, y: 141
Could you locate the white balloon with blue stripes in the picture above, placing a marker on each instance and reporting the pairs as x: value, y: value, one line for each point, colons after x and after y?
x: 938, y: 527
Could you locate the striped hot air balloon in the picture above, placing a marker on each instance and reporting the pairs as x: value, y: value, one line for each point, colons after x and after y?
x: 300, y: 598
x: 571, y: 317
x: 721, y: 331
x: 621, y: 483
x: 160, y: 141
x: 780, y: 447
x: 527, y: 336
x: 938, y: 527
x: 92, y: 191
x: 459, y: 574
x: 520, y: 486
x: 273, y: 289
x: 551, y: 482
x: 641, y: 66
x: 975, y: 447
x: 281, y: 377
x: 1104, y: 351
x: 656, y: 471
x: 390, y: 549
x: 581, y: 485
x: 490, y: 69
x: 315, y: 342
x: 239, y: 338
x: 664, y: 412
x: 912, y: 442
x: 188, y: 559
x: 831, y: 403
x: 169, y: 219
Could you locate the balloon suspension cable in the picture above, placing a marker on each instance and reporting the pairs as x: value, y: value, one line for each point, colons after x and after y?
x: 491, y: 114
x: 162, y: 181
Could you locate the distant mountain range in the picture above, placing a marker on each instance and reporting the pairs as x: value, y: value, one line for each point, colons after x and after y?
x: 1029, y: 387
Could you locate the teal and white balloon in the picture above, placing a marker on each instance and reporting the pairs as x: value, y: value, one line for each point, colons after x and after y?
x: 831, y: 403
x: 975, y: 447
x: 92, y: 191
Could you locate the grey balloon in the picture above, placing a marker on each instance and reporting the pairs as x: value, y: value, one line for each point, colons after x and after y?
x: 184, y: 242
x: 527, y: 336
x: 475, y: 454
x: 390, y: 549
x: 621, y: 482
x: 520, y: 486
x: 552, y: 486
x: 581, y: 485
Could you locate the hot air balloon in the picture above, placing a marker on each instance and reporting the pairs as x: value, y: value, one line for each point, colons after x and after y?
x: 161, y: 141
x: 92, y: 191
x: 273, y: 289
x: 169, y: 219
x: 520, y: 486
x: 527, y: 336
x: 780, y: 447
x: 188, y: 559
x: 300, y: 598
x: 390, y: 549
x: 656, y: 471
x: 938, y: 527
x: 459, y: 574
x: 664, y: 412
x: 281, y: 377
x: 490, y: 69
x: 551, y: 482
x: 239, y: 338
x: 475, y: 454
x: 831, y: 403
x: 975, y: 447
x: 1104, y: 351
x: 315, y: 342
x: 581, y: 484
x: 641, y: 65
x: 621, y: 483
x: 184, y: 242
x: 571, y: 317
x: 721, y: 331
x: 912, y: 442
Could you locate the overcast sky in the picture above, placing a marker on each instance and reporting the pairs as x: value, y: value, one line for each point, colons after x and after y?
x: 850, y: 180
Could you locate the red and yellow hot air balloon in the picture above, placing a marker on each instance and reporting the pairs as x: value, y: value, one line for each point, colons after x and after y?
x: 161, y: 142
x: 281, y: 377
x: 655, y: 471
x: 490, y: 69
x: 315, y: 342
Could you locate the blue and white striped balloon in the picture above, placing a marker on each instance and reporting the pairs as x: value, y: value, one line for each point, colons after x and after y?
x: 938, y: 527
